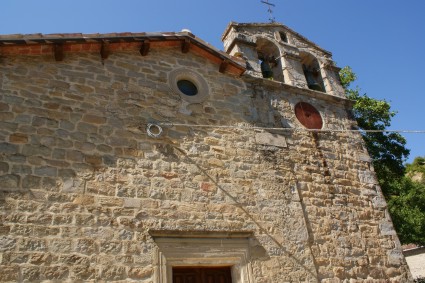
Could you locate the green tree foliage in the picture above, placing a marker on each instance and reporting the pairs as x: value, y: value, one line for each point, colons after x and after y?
x: 387, y: 150
x: 418, y: 166
x: 406, y: 199
x: 407, y: 209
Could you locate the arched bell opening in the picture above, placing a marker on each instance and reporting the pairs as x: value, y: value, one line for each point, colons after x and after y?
x: 311, y: 70
x: 270, y: 60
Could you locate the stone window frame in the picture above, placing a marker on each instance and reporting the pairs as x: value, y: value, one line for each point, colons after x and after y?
x: 189, y: 75
x: 195, y: 249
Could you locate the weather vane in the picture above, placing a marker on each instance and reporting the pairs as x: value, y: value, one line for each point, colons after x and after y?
x: 270, y: 5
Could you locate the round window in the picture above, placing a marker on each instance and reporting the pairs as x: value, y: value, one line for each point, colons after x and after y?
x: 308, y: 116
x: 187, y: 87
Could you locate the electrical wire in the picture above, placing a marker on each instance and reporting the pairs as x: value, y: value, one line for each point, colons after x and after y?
x: 291, y: 129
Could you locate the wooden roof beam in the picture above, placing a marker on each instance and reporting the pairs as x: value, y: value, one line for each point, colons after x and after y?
x: 144, y: 49
x: 223, y: 66
x: 104, y: 50
x: 186, y: 45
x: 58, y: 51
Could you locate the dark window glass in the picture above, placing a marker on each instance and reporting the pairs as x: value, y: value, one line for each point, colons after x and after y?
x: 187, y: 87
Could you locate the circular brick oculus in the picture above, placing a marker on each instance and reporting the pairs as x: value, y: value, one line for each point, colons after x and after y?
x: 308, y: 116
x: 189, y: 85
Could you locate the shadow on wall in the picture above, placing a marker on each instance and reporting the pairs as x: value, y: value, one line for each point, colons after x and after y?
x: 78, y: 163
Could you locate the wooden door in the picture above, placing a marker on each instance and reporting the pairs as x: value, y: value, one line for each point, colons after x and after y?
x: 202, y: 275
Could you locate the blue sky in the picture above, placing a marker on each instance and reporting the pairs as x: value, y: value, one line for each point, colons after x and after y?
x: 382, y: 40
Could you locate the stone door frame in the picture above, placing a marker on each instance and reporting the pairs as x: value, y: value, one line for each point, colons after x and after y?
x: 181, y: 248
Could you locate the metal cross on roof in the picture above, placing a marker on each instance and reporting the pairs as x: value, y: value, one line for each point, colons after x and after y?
x: 270, y: 5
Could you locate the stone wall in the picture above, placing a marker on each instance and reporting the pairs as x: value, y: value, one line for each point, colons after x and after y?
x: 82, y: 183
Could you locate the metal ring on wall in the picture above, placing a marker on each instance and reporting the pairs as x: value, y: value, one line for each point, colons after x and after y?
x: 153, y: 130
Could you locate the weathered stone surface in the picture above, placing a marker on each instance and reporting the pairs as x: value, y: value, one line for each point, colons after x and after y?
x: 4, y: 167
x: 46, y: 171
x: 18, y: 138
x: 86, y: 184
x: 9, y: 181
x: 7, y: 243
x: 8, y: 148
x: 140, y: 273
x: 270, y: 139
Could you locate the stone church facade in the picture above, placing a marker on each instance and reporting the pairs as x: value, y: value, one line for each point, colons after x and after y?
x: 155, y: 157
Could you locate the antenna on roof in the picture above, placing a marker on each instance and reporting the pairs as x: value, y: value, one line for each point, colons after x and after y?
x: 270, y: 5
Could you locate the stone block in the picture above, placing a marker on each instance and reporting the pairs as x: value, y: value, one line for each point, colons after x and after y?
x: 9, y: 273
x: 7, y: 116
x: 131, y: 202
x: 74, y: 155
x: 24, y: 119
x: 55, y: 273
x: 386, y: 228
x: 36, y: 150
x: 84, y: 200
x: 42, y: 231
x: 109, y: 201
x: 8, y: 148
x: 40, y: 218
x: 395, y: 257
x: 66, y: 125
x: 36, y: 245
x: 215, y: 162
x: 13, y: 258
x: 18, y: 138
x: 379, y: 202
x: 48, y: 141
x: 367, y: 177
x: 62, y: 219
x: 85, y: 219
x: 140, y: 273
x: 110, y: 247
x: 84, y: 272
x: 114, y: 272
x: 86, y: 246
x: 40, y: 259
x: 4, y: 106
x: 30, y: 273
x: 78, y: 136
x: 71, y: 185
x: 66, y: 173
x: 4, y: 230
x: 21, y: 169
x: 270, y: 139
x: 7, y: 243
x: 93, y: 119
x: 46, y: 171
x: 104, y: 189
x: 94, y: 160
x: 86, y: 128
x: 4, y: 167
x: 6, y: 126
x: 9, y: 181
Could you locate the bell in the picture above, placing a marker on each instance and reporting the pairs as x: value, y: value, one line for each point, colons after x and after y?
x: 266, y: 70
x: 311, y: 80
